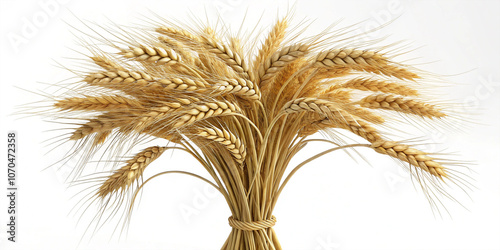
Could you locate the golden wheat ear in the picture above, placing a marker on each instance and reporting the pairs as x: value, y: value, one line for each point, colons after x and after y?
x: 268, y: 48
x: 413, y: 156
x: 124, y: 177
x: 400, y: 104
x: 377, y: 85
x: 98, y: 103
x: 227, y: 139
x: 362, y: 60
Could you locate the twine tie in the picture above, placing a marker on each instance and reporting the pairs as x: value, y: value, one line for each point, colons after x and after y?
x: 252, y: 225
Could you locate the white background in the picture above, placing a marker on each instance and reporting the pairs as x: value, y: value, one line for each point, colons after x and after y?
x: 334, y: 203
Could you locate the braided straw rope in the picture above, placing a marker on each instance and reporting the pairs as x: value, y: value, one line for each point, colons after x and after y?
x: 252, y: 225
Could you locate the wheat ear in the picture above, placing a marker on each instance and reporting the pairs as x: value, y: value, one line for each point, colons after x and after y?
x: 230, y: 141
x: 400, y: 104
x: 204, y: 111
x: 232, y: 58
x: 179, y: 34
x: 271, y: 45
x: 267, y: 70
x: 334, y: 117
x: 106, y: 63
x: 362, y: 60
x: 110, y: 78
x: 122, y: 178
x: 153, y: 54
x: 104, y: 124
x: 239, y: 87
x: 97, y: 103
x: 367, y: 84
x: 413, y: 156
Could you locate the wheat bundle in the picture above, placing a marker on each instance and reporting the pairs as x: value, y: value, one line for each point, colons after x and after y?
x: 244, y: 115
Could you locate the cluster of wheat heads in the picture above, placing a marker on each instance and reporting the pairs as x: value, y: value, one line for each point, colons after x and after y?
x: 243, y: 113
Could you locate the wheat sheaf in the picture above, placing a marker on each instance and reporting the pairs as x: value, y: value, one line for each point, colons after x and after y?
x: 243, y: 110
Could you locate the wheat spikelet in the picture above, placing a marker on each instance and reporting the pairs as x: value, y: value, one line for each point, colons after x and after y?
x: 230, y: 141
x: 122, y: 178
x: 413, y: 156
x: 362, y: 60
x: 395, y: 103
x: 344, y: 120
